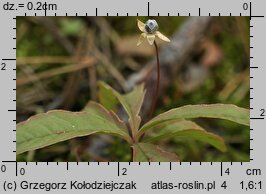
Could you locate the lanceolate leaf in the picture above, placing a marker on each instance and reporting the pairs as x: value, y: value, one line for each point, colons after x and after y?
x: 56, y: 126
x: 186, y: 129
x: 97, y: 109
x: 131, y: 102
x: 107, y: 97
x: 146, y: 152
x: 221, y: 111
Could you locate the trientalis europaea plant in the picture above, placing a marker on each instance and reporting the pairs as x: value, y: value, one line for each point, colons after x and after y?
x: 150, y: 31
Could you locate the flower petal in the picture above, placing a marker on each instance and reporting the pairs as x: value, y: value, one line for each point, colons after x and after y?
x: 150, y: 38
x: 141, y: 25
x: 161, y: 36
x: 141, y: 38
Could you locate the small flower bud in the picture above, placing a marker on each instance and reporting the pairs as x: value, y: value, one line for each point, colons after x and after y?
x: 151, y: 26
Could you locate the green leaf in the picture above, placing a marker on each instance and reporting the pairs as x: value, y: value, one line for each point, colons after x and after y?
x: 95, y: 108
x: 186, y: 129
x: 107, y: 97
x: 146, y: 152
x: 55, y: 126
x: 131, y: 102
x: 220, y: 111
x: 71, y: 27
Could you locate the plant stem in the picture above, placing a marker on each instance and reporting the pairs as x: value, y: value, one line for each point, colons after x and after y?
x: 156, y: 93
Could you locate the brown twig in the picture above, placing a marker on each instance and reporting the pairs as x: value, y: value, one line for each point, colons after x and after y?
x: 39, y: 60
x: 54, y: 72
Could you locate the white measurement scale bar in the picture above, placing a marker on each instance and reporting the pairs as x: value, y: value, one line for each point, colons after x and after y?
x: 195, y: 177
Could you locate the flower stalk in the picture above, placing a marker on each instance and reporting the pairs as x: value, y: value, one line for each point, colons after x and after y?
x: 150, y: 32
x: 156, y: 93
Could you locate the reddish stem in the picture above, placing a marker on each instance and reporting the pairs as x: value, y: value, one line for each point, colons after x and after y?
x: 156, y: 93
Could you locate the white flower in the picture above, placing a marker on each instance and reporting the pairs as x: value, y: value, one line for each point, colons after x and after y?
x: 150, y: 31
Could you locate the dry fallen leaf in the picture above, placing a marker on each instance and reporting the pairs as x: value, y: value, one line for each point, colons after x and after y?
x: 213, y: 54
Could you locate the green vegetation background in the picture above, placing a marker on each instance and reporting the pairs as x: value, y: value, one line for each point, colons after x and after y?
x: 34, y: 38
